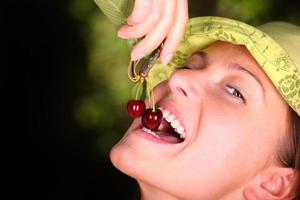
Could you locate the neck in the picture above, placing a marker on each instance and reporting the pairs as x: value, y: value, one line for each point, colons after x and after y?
x: 149, y: 192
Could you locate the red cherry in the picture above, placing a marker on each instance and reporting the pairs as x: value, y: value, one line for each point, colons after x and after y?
x: 136, y: 108
x: 152, y: 119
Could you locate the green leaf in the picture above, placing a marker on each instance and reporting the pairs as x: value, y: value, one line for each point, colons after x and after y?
x: 116, y: 10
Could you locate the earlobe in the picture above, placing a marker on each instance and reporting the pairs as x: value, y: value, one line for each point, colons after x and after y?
x: 277, y: 184
x: 274, y: 186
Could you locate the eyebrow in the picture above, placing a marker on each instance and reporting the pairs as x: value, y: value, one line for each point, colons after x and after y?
x: 242, y: 69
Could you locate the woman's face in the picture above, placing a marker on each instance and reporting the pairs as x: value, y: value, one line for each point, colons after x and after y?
x: 232, y: 117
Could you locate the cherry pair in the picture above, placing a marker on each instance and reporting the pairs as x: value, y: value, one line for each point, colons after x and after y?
x: 151, y: 118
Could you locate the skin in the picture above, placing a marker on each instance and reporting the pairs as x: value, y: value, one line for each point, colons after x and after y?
x: 231, y: 140
x: 155, y: 21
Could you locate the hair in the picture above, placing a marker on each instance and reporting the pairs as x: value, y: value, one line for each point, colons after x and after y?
x: 289, y: 154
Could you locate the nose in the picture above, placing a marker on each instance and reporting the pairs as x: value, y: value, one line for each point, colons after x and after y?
x: 185, y: 84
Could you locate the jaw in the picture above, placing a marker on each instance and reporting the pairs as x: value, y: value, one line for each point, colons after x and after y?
x: 149, y: 192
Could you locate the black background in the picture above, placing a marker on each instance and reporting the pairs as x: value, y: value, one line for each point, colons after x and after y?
x: 45, y: 155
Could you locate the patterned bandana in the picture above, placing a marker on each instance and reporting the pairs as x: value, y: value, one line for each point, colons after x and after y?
x: 274, y: 45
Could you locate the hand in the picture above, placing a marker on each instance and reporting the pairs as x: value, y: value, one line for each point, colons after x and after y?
x: 155, y: 21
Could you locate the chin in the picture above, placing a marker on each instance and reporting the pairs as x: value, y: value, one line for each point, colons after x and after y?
x: 119, y: 158
x: 123, y: 156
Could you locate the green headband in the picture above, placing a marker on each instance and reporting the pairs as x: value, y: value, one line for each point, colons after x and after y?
x: 274, y: 45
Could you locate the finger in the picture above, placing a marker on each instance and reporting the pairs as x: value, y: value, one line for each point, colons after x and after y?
x: 175, y: 35
x: 140, y: 11
x: 157, y: 35
x: 141, y: 29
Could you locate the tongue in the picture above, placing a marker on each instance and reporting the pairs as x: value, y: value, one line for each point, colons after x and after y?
x: 168, y: 137
x: 167, y: 133
x: 165, y: 126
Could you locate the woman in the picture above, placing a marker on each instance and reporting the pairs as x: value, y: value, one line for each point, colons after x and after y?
x: 236, y: 104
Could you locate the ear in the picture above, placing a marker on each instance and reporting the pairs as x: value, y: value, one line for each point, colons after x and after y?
x: 276, y: 183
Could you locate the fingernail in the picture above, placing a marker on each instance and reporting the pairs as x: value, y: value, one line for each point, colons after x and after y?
x: 121, y: 35
x: 121, y: 32
x: 130, y: 21
x: 136, y: 56
x: 167, y: 58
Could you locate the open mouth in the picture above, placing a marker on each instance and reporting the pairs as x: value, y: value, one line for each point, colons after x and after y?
x: 170, y: 129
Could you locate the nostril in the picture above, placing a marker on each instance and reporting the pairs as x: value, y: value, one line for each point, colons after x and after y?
x: 179, y: 89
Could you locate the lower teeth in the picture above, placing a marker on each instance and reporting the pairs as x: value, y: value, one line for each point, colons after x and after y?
x: 150, y: 132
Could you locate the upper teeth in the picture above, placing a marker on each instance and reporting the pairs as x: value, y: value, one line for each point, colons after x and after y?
x: 174, y: 122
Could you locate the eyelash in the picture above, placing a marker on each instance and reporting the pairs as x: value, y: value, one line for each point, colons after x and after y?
x: 235, y: 93
x: 184, y: 67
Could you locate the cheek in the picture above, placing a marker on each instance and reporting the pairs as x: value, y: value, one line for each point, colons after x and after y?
x: 229, y: 147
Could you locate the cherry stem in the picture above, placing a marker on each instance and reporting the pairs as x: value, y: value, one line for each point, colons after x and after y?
x: 138, y: 90
x: 153, y: 104
x: 151, y: 95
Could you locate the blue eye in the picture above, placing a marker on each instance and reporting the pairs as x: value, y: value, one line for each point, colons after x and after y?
x: 234, y: 92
